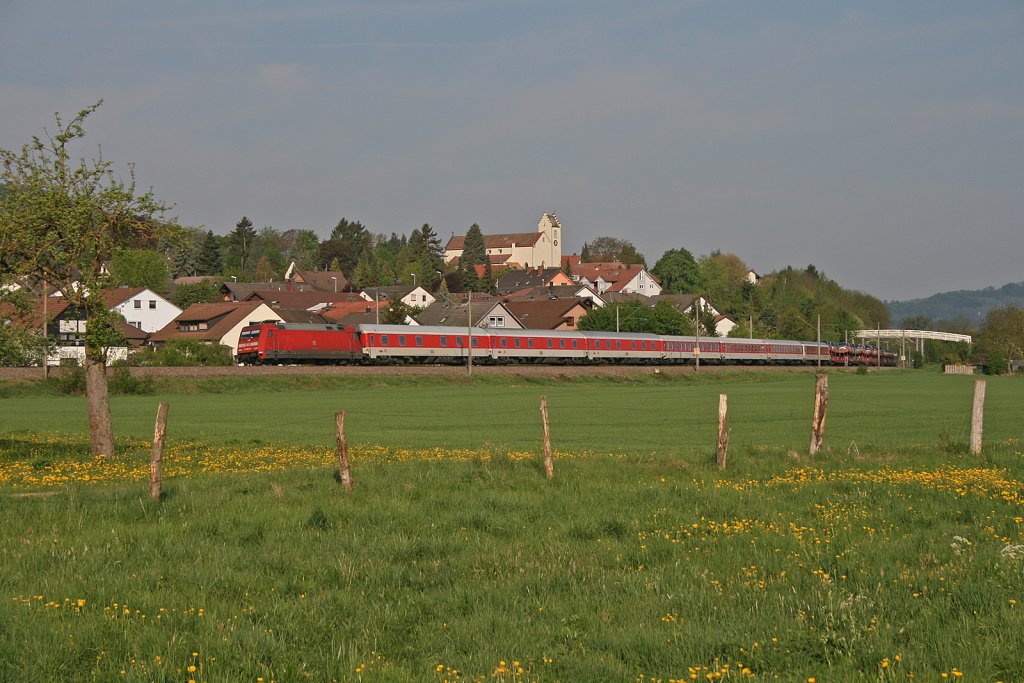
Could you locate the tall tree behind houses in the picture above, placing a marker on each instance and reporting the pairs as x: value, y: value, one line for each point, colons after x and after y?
x: 474, y: 253
x: 209, y: 261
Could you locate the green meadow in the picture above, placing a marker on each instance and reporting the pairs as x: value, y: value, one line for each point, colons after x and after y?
x: 893, y: 555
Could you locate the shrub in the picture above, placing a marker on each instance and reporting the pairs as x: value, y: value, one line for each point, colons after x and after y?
x: 124, y: 382
x: 185, y: 352
x: 71, y: 381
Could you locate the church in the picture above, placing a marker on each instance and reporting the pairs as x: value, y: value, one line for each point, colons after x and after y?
x: 518, y: 250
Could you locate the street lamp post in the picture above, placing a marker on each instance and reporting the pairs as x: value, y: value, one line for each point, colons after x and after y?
x: 413, y: 279
x: 335, y: 284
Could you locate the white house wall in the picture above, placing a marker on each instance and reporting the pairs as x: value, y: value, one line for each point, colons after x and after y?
x: 259, y: 314
x: 144, y: 317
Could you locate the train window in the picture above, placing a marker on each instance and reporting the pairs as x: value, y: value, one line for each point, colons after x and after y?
x: 476, y: 341
x: 551, y: 343
x: 504, y: 342
x: 561, y: 343
x: 618, y: 345
x: 419, y: 340
x: 529, y: 342
x: 458, y: 341
x: 574, y: 344
x: 401, y: 340
x: 634, y: 346
x: 370, y: 338
x: 519, y: 342
x: 444, y: 341
x: 383, y: 340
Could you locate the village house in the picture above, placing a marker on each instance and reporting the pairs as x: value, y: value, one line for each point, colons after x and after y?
x: 412, y: 296
x: 616, y: 277
x: 684, y: 303
x: 141, y: 307
x: 583, y: 293
x: 217, y: 323
x: 324, y: 280
x: 456, y: 313
x: 66, y: 326
x: 517, y: 250
x: 309, y: 300
x: 547, y: 314
x: 513, y: 282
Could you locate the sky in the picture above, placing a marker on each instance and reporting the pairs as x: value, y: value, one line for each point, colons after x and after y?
x: 881, y: 141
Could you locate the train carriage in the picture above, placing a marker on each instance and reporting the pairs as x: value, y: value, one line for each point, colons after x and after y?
x: 422, y: 343
x: 508, y: 345
x: 623, y: 347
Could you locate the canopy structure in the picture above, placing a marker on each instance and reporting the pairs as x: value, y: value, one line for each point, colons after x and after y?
x: 916, y: 337
x: 912, y: 334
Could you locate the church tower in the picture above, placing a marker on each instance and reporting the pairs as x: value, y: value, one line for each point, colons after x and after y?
x: 550, y: 246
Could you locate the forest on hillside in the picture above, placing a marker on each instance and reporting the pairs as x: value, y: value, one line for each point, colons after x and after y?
x: 965, y: 304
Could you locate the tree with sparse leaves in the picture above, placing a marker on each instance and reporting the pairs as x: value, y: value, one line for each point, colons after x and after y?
x: 61, y: 222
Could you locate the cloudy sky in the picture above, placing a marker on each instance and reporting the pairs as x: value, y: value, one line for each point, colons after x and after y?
x: 881, y: 141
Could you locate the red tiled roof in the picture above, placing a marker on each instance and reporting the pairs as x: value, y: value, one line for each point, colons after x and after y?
x: 117, y: 296
x: 341, y: 309
x: 546, y: 314
x: 219, y: 317
x: 499, y: 241
x: 322, y: 279
x: 304, y: 299
x: 618, y: 274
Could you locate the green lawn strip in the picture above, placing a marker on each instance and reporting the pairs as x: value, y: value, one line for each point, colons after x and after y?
x: 616, y: 568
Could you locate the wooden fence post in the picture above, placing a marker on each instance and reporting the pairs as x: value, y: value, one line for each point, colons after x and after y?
x: 978, y: 416
x: 548, y: 466
x: 346, y: 474
x: 820, y: 413
x: 723, y: 432
x: 156, y: 460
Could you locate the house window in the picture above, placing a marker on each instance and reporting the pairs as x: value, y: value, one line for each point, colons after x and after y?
x: 138, y: 303
x: 152, y: 303
x: 496, y: 321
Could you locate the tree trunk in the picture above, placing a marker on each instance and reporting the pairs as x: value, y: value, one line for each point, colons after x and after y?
x: 100, y: 429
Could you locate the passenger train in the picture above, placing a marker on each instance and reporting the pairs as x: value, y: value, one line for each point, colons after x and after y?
x: 273, y: 342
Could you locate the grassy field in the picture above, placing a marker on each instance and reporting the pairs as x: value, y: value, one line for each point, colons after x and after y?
x: 895, y: 555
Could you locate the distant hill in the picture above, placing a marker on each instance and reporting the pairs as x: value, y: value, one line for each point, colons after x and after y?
x: 973, y: 305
